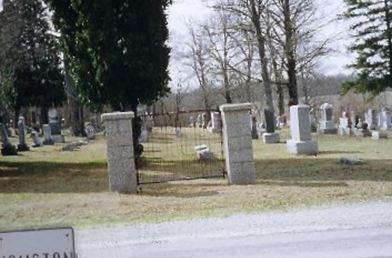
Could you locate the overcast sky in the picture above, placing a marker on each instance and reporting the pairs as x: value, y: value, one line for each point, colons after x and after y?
x: 197, y: 10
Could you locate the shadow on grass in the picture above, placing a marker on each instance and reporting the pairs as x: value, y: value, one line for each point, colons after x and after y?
x: 301, y: 183
x: 309, y: 171
x: 339, y: 152
x: 51, y: 177
x: 184, y: 190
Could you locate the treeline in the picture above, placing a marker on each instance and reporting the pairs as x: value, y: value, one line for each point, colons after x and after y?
x: 188, y: 98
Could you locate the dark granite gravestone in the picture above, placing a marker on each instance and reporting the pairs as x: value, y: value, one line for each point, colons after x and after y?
x: 255, y: 134
x: 7, y: 148
x: 54, y: 122
x: 269, y: 121
x: 47, y: 135
x: 328, y: 114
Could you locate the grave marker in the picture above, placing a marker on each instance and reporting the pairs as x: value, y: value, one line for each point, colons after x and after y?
x: 22, y: 146
x: 327, y: 125
x: 300, y: 128
x: 270, y: 136
x: 7, y: 148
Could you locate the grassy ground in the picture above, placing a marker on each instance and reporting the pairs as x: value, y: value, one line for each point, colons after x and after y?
x: 47, y: 187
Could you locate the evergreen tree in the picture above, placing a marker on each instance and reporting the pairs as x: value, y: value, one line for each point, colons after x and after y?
x: 116, y: 50
x: 373, y: 44
x: 30, y: 73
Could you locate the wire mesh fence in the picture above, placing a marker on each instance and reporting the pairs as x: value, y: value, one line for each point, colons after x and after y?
x: 180, y: 146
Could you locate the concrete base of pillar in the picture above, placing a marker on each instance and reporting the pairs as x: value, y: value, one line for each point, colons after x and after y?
x: 271, y: 138
x: 377, y: 135
x: 302, y: 147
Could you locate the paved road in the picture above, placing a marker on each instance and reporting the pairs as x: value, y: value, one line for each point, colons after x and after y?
x: 356, y: 230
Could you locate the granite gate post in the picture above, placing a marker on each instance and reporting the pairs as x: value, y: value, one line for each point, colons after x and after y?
x: 237, y: 143
x: 121, y: 160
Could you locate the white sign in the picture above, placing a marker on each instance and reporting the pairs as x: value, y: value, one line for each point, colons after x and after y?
x: 45, y: 243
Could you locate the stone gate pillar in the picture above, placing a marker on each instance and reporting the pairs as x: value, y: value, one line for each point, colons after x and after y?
x: 120, y: 155
x: 237, y: 143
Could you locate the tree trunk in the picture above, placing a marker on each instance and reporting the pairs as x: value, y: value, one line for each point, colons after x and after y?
x: 76, y: 120
x: 292, y: 86
x: 228, y: 98
x: 81, y: 121
x: 263, y: 58
x: 16, y: 117
x: 281, y: 105
x: 75, y: 107
x: 291, y: 60
x: 389, y: 34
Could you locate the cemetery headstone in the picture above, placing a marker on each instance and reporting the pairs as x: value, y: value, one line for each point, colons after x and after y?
x: 199, y: 121
x: 7, y: 149
x: 345, y: 125
x: 354, y: 120
x: 192, y: 122
x: 54, y: 122
x: 216, y: 122
x: 55, y: 126
x: 327, y: 125
x: 72, y: 146
x: 203, y: 153
x: 253, y: 125
x: 36, y: 140
x: 22, y: 146
x: 177, y: 132
x: 385, y: 119
x: 270, y: 136
x: 380, y: 131
x: 47, y: 135
x: 149, y: 124
x: 204, y: 121
x: 362, y: 129
x: 300, y: 128
x: 371, y: 119
x: 377, y: 135
x: 260, y: 129
x: 90, y: 131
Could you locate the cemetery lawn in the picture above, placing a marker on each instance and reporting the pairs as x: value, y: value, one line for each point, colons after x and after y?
x: 47, y: 187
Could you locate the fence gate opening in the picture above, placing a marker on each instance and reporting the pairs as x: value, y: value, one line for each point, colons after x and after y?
x: 181, y: 146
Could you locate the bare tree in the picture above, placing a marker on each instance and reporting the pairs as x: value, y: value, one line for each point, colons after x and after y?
x: 294, y: 31
x: 244, y: 39
x: 252, y: 11
x: 179, y: 97
x: 198, y: 61
x: 221, y: 50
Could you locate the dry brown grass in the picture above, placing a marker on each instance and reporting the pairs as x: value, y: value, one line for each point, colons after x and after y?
x: 47, y: 187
